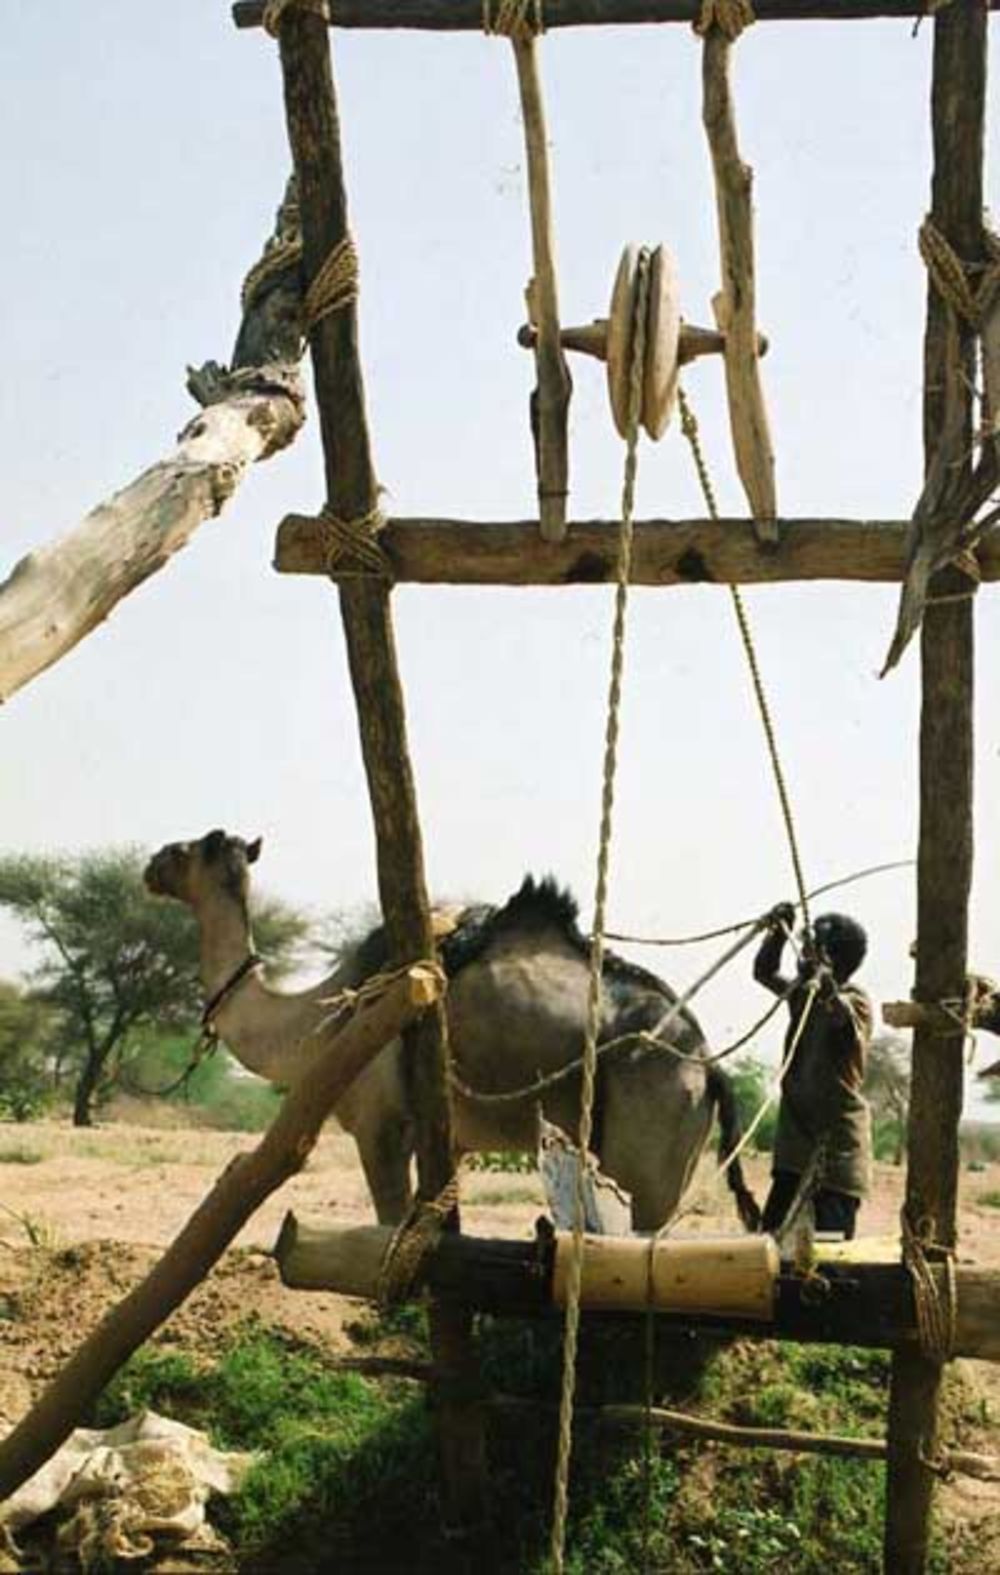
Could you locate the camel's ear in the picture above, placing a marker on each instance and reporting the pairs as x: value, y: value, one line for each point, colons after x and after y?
x: 214, y: 844
x: 253, y: 850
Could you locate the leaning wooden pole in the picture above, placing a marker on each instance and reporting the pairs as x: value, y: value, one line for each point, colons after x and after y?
x: 352, y: 490
x: 944, y: 865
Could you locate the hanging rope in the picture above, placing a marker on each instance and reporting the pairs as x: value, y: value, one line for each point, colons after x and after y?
x: 274, y: 11
x: 572, y: 1324
x: 731, y: 17
x: 936, y: 1314
x: 689, y: 426
x: 514, y: 18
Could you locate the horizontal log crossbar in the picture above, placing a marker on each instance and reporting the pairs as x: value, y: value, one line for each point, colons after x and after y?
x: 458, y: 16
x: 665, y: 552
x: 854, y: 1303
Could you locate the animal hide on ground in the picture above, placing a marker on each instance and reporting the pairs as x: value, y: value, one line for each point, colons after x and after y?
x: 126, y: 1493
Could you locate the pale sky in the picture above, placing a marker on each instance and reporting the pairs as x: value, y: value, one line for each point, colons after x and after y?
x: 142, y: 154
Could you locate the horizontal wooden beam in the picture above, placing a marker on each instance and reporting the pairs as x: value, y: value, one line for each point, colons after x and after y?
x: 665, y: 552
x: 466, y: 16
x: 863, y: 1303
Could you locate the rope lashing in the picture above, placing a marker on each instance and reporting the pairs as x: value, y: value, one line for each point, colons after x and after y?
x: 274, y: 10
x: 689, y: 427
x: 514, y: 18
x: 335, y: 285
x: 352, y: 998
x: 352, y: 548
x: 731, y: 17
x: 950, y: 275
x: 277, y: 259
x: 572, y: 1323
x: 937, y: 1314
x: 418, y: 1235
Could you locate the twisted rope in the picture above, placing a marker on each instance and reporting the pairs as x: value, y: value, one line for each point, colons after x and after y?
x: 274, y: 11
x: 689, y: 427
x: 937, y: 1315
x: 352, y: 547
x: 411, y: 1242
x: 514, y: 18
x: 276, y: 259
x: 950, y: 275
x: 572, y: 1324
x: 335, y: 285
x: 731, y: 17
x: 351, y: 998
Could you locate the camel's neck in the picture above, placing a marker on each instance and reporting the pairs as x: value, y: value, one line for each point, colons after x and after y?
x: 226, y: 940
x: 267, y: 1030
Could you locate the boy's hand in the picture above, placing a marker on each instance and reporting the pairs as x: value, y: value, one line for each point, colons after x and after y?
x: 781, y: 917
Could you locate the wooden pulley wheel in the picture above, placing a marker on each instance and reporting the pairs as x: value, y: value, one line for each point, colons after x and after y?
x: 663, y: 327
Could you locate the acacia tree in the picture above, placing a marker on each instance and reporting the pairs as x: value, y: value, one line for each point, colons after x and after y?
x: 114, y: 960
x: 887, y: 1089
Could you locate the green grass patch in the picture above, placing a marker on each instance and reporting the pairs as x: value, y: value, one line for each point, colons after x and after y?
x: 20, y: 1154
x: 347, y: 1475
x: 990, y: 1200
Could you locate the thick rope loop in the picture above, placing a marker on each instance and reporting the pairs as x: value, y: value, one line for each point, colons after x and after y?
x: 689, y: 427
x: 277, y: 259
x: 937, y: 1314
x: 950, y: 275
x: 731, y: 17
x: 514, y: 18
x: 572, y: 1323
x: 274, y: 10
x: 411, y: 1242
x: 352, y: 548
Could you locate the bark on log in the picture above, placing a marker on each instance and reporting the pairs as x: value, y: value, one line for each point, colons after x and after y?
x: 665, y: 552
x: 239, y: 1191
x: 864, y: 1303
x: 550, y: 400
x: 56, y: 595
x: 944, y: 864
x: 735, y: 305
x: 467, y: 15
x: 352, y: 492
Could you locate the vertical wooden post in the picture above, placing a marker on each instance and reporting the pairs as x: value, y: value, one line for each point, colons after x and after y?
x: 314, y: 133
x: 944, y: 866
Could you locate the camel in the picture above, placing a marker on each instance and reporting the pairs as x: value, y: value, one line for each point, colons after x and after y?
x: 516, y: 1004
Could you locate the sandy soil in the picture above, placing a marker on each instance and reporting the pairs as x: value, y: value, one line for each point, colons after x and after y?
x: 83, y: 1215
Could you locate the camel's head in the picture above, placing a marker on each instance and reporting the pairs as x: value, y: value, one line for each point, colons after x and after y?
x: 191, y: 871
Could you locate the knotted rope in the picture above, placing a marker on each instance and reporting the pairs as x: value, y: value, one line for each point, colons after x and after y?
x: 572, y: 1324
x: 418, y: 1235
x: 352, y: 548
x: 514, y: 18
x: 277, y: 258
x: 274, y: 10
x: 937, y: 1315
x: 689, y: 427
x: 950, y: 275
x: 352, y: 997
x: 731, y: 17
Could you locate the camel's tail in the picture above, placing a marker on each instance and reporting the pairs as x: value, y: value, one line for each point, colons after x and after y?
x: 721, y: 1093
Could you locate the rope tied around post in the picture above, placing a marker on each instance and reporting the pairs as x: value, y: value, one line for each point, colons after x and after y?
x: 731, y: 17
x: 352, y: 547
x: 274, y: 11
x: 514, y: 18
x: 936, y: 1314
x: 411, y: 1242
x: 335, y: 285
x: 950, y: 275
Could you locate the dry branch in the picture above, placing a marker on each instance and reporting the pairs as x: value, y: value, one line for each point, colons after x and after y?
x: 666, y: 552
x: 734, y: 306
x: 239, y: 1191
x: 467, y: 15
x: 56, y: 595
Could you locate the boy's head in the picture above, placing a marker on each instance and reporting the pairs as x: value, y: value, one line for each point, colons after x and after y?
x: 842, y: 942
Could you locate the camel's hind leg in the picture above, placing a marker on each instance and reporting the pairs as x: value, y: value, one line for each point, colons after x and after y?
x: 386, y: 1149
x: 656, y: 1121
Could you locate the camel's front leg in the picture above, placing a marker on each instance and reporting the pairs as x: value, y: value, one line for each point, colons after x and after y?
x: 386, y: 1149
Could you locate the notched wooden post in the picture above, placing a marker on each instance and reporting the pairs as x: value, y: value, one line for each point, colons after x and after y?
x: 735, y: 305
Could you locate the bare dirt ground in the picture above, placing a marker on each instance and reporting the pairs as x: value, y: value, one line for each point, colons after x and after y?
x: 84, y: 1214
